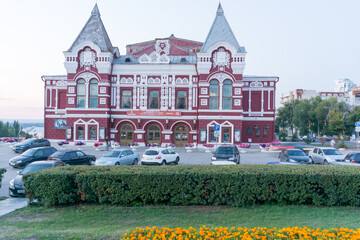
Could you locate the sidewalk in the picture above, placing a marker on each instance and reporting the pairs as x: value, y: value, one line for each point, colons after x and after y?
x: 11, y: 204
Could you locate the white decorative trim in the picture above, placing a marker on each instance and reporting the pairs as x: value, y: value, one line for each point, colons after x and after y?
x: 87, y: 58
x: 162, y: 46
x: 203, y: 102
x: 221, y: 58
x: 71, y: 90
x: 154, y: 58
x: 126, y: 80
x: 237, y: 102
x: 182, y: 81
x: 204, y: 91
x: 71, y: 101
x: 102, y: 100
x: 237, y: 91
x: 256, y: 84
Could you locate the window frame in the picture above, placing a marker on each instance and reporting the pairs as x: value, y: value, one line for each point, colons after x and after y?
x: 127, y: 96
x: 178, y: 98
x: 227, y: 98
x: 80, y: 84
x: 151, y: 97
x: 216, y: 97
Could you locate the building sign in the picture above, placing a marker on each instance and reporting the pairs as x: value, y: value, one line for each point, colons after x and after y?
x: 153, y: 113
x: 102, y: 133
x: 68, y: 133
x: 60, y: 123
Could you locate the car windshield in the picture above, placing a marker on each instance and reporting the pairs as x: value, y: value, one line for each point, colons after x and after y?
x: 34, y: 168
x: 112, y: 154
x: 331, y: 152
x: 26, y: 141
x: 57, y: 154
x: 29, y: 153
x: 296, y: 153
x: 151, y: 152
x: 225, y: 150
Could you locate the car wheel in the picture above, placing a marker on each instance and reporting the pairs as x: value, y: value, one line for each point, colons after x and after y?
x: 163, y: 162
x: 136, y: 161
x: 177, y: 161
x: 326, y: 162
x: 311, y: 161
x: 117, y: 163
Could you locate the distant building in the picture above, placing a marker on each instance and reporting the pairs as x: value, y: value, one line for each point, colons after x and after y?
x: 297, y: 94
x: 35, y: 131
x: 344, y: 85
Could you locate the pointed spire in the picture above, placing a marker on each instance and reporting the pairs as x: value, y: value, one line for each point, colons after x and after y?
x: 220, y: 31
x: 220, y: 10
x: 95, y: 32
x: 95, y: 10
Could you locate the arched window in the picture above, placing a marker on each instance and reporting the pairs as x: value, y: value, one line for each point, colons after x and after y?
x: 214, y: 95
x: 93, y: 93
x: 80, y: 93
x: 227, y: 93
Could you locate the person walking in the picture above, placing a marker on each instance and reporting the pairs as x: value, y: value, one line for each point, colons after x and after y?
x: 332, y: 142
x: 107, y: 144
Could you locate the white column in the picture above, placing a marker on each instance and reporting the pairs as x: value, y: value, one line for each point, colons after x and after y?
x: 194, y: 97
x: 220, y: 94
x: 170, y: 91
x: 56, y: 98
x: 138, y: 96
x: 173, y: 93
x: 86, y: 94
x: 50, y: 97
x: 269, y: 99
x: 190, y: 98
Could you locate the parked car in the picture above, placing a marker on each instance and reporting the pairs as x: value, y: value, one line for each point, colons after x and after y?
x: 325, y: 155
x: 294, y: 156
x: 308, y: 138
x: 159, y: 156
x: 73, y: 157
x: 353, y: 157
x: 119, y: 157
x: 30, y: 143
x: 31, y: 155
x: 225, y: 155
x: 16, y: 188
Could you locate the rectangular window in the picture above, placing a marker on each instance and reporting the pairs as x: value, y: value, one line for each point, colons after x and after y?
x: 154, y: 100
x: 80, y: 102
x: 227, y: 103
x: 93, y: 102
x: 93, y: 94
x: 181, y: 99
x: 212, y: 135
x: 248, y: 131
x: 125, y: 99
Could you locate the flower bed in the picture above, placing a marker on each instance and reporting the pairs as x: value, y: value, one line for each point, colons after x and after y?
x: 153, y: 145
x: 60, y: 143
x: 242, y: 233
x: 133, y: 144
x: 208, y: 145
x: 98, y: 144
x: 243, y: 145
x: 171, y: 145
x: 79, y: 143
x: 189, y: 145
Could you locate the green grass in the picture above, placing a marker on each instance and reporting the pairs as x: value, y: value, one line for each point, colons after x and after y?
x: 3, y: 198
x: 109, y: 222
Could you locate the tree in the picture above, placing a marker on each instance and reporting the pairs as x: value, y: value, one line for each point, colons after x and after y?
x: 285, y: 116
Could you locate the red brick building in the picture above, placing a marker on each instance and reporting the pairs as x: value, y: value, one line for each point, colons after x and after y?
x: 167, y: 90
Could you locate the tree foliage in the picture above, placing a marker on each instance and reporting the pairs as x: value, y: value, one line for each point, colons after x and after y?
x: 11, y: 130
x: 325, y: 117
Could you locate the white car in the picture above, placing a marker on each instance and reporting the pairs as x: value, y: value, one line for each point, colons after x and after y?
x: 159, y: 156
x: 325, y: 155
x: 118, y: 157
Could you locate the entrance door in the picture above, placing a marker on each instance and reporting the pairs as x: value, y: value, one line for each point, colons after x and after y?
x: 181, y: 134
x: 126, y: 134
x: 153, y: 134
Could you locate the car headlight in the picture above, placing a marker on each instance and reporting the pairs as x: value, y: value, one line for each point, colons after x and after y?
x: 19, y: 161
x: 12, y: 183
x: 213, y: 158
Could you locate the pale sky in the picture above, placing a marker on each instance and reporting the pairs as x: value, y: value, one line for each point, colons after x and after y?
x: 308, y: 44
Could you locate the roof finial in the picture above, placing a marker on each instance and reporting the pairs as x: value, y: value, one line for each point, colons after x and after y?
x: 220, y: 10
x: 95, y: 10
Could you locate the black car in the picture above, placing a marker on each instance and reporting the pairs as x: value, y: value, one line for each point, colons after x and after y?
x: 293, y: 155
x: 31, y: 155
x: 30, y: 143
x: 227, y: 153
x: 73, y: 157
x: 353, y: 157
x: 16, y: 188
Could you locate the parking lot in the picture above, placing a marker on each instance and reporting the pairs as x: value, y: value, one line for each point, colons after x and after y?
x: 198, y: 157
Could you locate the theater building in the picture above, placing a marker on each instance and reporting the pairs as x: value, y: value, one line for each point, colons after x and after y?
x: 167, y: 90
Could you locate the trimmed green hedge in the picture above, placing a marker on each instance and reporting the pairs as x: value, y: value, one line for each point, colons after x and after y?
x: 238, y: 185
x: 2, y: 171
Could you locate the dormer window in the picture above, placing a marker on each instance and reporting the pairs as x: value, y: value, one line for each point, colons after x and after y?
x: 183, y: 60
x: 127, y: 60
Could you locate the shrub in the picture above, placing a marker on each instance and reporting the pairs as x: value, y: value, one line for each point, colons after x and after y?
x: 2, y: 171
x: 196, y: 185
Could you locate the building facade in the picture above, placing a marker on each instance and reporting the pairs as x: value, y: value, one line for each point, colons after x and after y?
x: 167, y: 90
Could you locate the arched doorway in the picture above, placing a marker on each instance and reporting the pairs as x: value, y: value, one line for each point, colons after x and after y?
x: 153, y: 134
x: 181, y: 135
x: 126, y: 134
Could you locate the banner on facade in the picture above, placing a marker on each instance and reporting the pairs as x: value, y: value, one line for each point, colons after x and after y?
x: 153, y: 113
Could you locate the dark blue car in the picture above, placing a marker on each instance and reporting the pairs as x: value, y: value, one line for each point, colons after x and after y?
x: 293, y: 155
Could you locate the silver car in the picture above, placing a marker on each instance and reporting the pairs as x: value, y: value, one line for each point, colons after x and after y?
x: 118, y: 157
x: 325, y: 155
